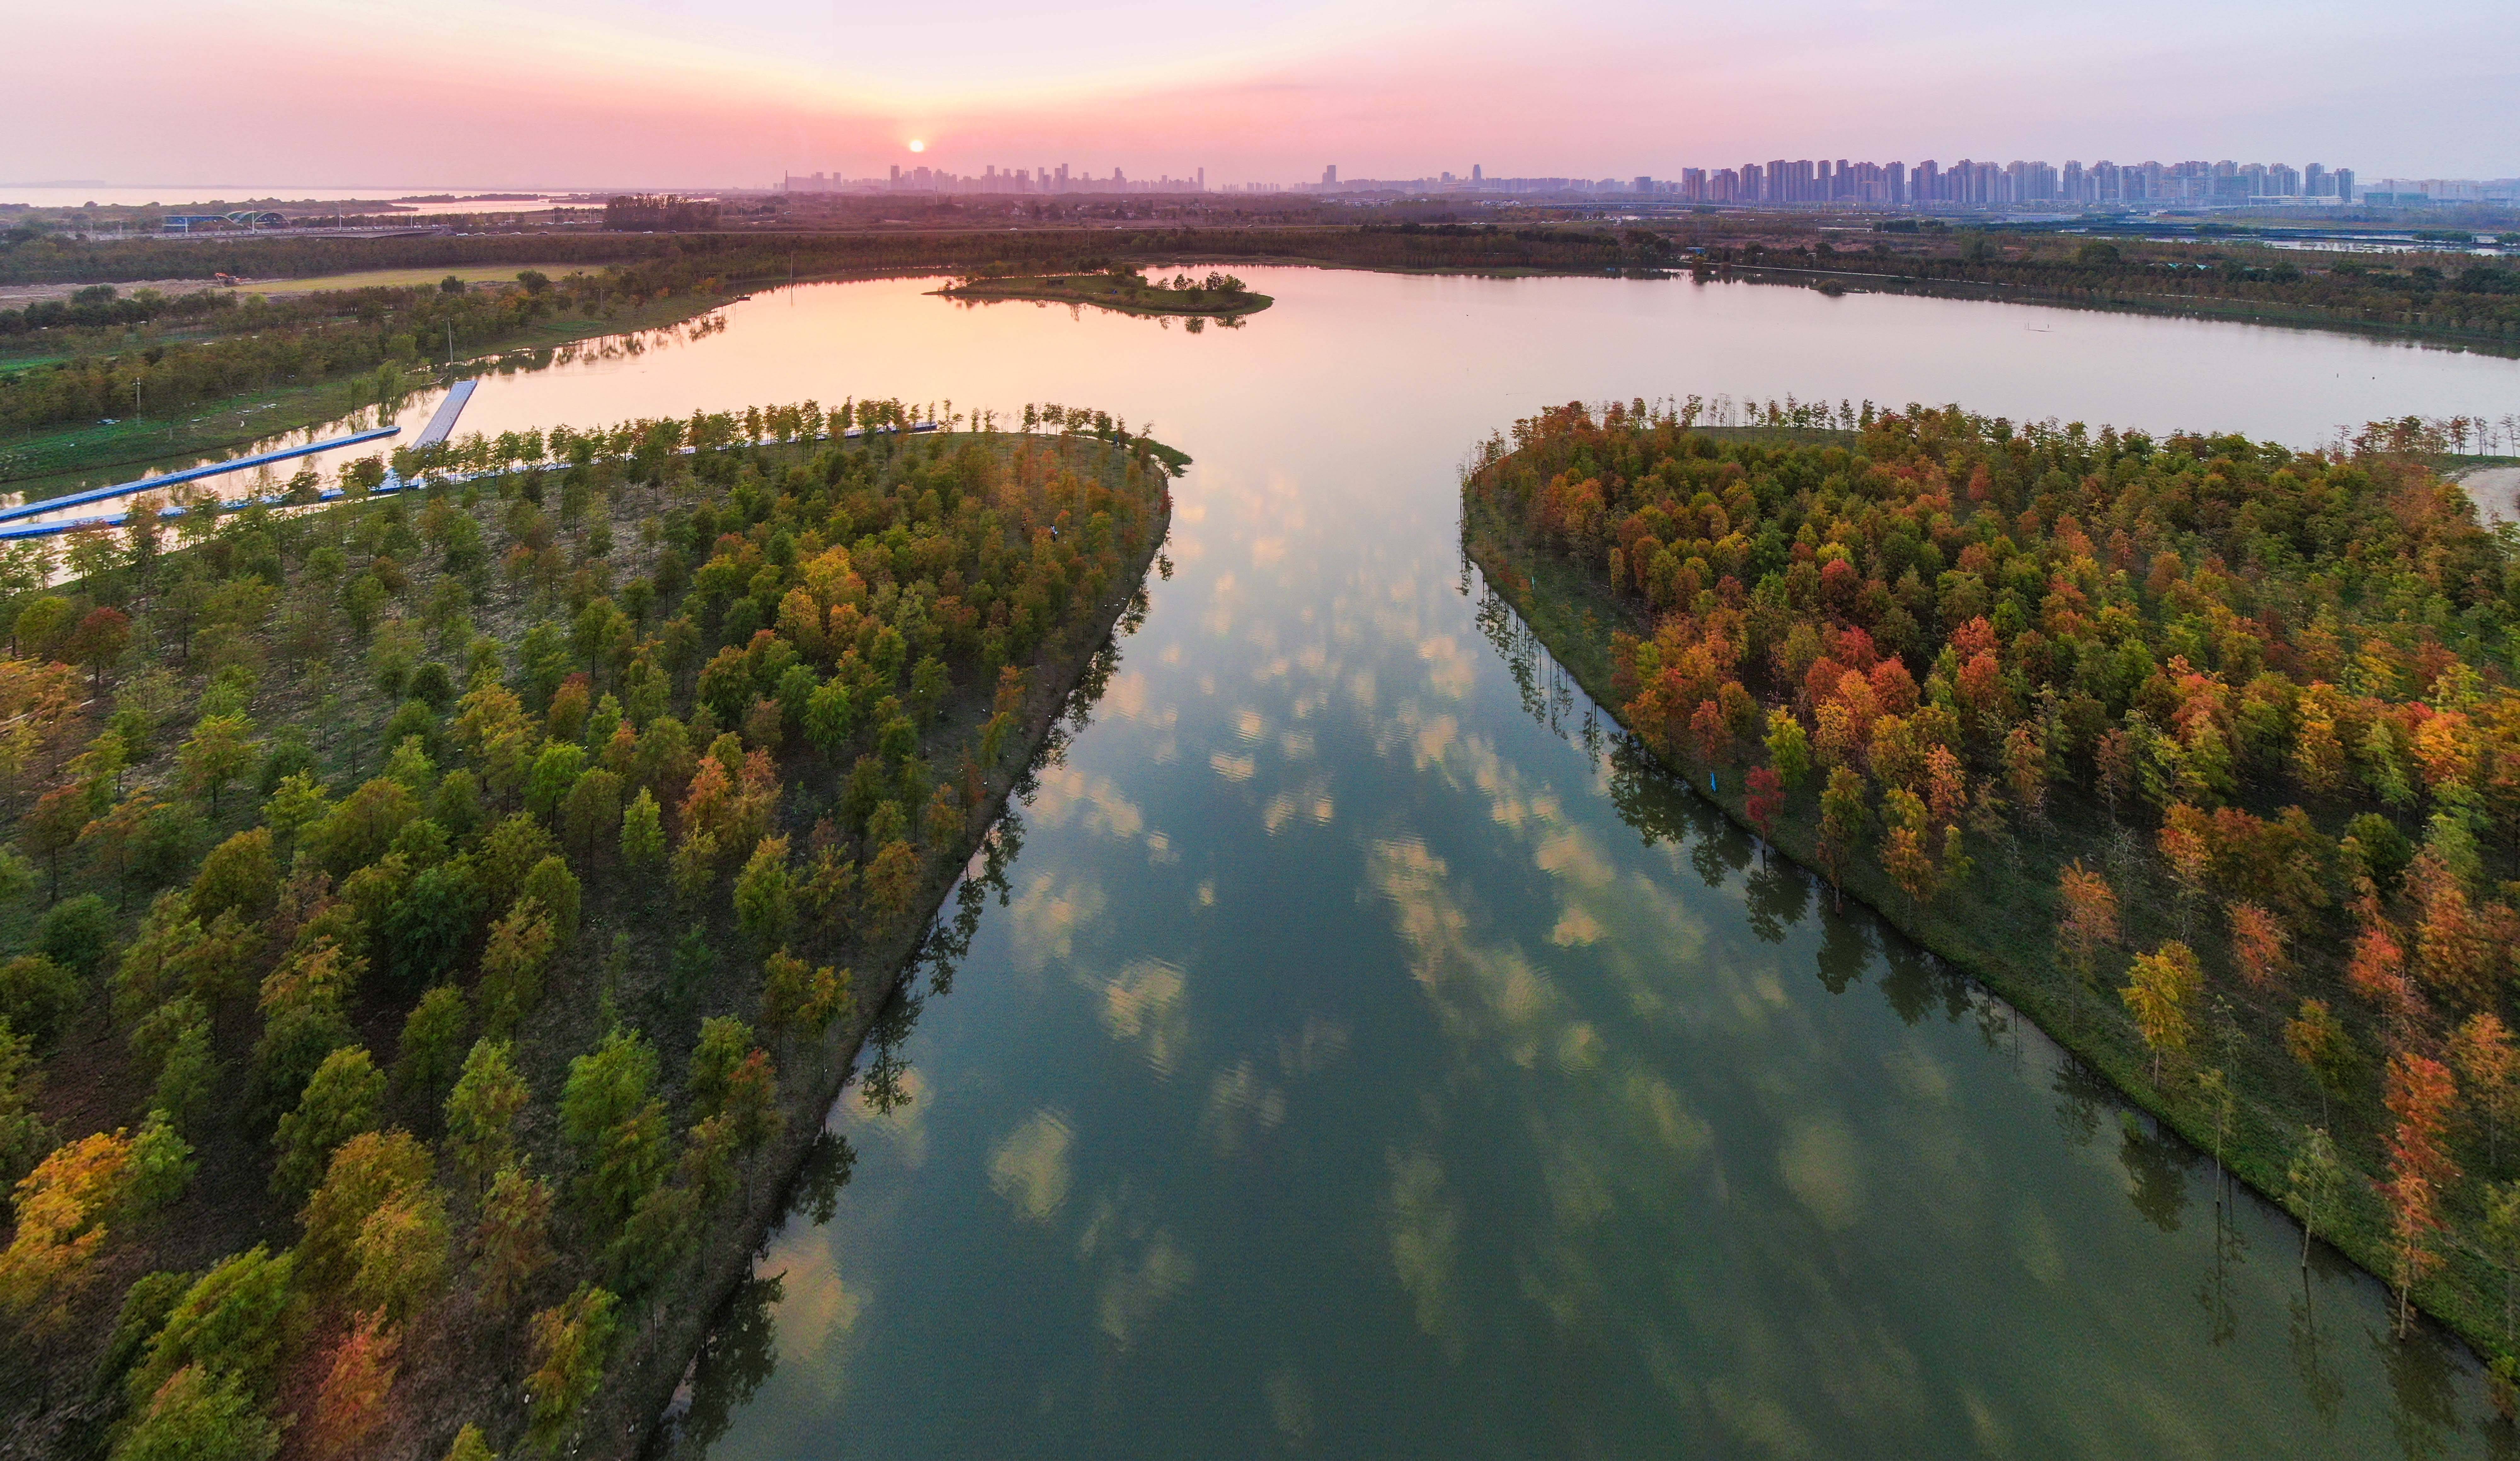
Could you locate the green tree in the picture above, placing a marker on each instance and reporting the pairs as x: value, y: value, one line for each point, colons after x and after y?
x: 643, y: 831
x: 764, y: 898
x: 199, y: 1415
x: 592, y: 813
x: 556, y: 888
x: 241, y: 873
x: 401, y: 1253
x: 38, y: 995
x: 220, y: 748
x: 481, y: 1112
x: 340, y: 1102
x: 369, y: 1170
x: 513, y: 967
x: 572, y: 1341
x: 233, y: 1324
x: 429, y: 1056
x: 1788, y: 747
x: 513, y: 1241
x: 616, y: 1125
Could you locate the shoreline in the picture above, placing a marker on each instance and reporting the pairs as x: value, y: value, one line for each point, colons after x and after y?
x: 627, y: 1414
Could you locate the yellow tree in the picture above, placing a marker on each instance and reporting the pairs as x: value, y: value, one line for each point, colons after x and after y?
x: 2161, y: 994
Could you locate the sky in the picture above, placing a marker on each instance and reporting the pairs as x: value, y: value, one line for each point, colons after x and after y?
x: 732, y: 93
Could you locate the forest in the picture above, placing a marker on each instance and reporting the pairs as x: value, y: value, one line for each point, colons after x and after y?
x: 2203, y: 752
x: 437, y: 923
x: 255, y: 345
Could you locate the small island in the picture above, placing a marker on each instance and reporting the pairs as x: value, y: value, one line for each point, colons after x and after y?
x: 1217, y: 297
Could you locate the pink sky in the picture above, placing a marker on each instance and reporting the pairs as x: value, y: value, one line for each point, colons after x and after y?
x: 672, y: 91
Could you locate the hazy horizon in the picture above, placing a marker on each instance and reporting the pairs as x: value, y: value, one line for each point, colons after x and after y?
x: 565, y: 93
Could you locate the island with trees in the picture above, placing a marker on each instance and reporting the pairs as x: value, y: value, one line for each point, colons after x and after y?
x: 1124, y: 289
x: 437, y: 923
x: 2203, y: 752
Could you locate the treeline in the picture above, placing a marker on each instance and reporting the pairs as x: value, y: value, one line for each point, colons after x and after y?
x: 2435, y: 292
x: 434, y: 920
x: 2251, y: 709
x: 314, y: 339
x: 103, y: 307
x: 764, y: 255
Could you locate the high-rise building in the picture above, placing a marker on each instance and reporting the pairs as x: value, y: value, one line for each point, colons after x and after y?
x: 1475, y: 174
x: 1329, y: 176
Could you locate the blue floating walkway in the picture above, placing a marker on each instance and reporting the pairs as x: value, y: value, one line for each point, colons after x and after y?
x: 443, y: 421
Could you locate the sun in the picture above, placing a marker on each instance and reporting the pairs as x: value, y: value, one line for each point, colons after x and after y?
x: 918, y: 146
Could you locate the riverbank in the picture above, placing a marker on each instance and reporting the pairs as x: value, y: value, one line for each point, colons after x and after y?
x: 642, y: 1381
x: 1998, y: 923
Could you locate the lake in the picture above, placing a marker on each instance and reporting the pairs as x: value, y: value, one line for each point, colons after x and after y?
x: 1363, y: 1058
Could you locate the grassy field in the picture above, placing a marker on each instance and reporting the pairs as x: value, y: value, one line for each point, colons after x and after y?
x: 401, y: 279
x: 1114, y: 291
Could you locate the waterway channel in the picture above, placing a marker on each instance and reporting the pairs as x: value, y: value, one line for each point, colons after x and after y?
x: 1365, y: 1060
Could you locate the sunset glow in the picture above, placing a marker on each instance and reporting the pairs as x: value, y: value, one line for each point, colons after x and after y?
x: 325, y: 91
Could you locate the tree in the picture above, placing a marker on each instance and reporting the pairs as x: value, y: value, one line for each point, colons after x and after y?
x: 2317, y: 1184
x: 53, y: 828
x: 1767, y: 798
x: 643, y: 831
x: 763, y: 894
x: 557, y: 889
x: 401, y: 1254
x: 99, y: 641
x: 2420, y: 1097
x: 2161, y: 992
x: 513, y: 967
x: 513, y: 1242
x: 340, y: 1102
x: 469, y: 1444
x: 1906, y: 854
x: 2088, y: 918
x: 570, y: 1344
x: 61, y: 1208
x: 892, y: 881
x: 797, y: 997
x: 616, y: 1125
x: 2319, y: 1042
x: 1842, y: 815
x: 232, y: 1325
x: 36, y: 995
x: 368, y: 1171
x: 200, y: 1416
x: 482, y: 1113
x: 350, y: 1403
x: 2258, y: 943
x: 241, y: 873
x: 592, y: 812
x: 221, y: 746
x: 428, y: 1058
x: 1788, y: 747
x: 2481, y: 1049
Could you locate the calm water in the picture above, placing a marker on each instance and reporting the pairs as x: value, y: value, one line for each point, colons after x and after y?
x: 1362, y: 1061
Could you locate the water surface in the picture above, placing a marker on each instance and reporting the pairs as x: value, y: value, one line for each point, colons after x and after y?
x: 1365, y: 1058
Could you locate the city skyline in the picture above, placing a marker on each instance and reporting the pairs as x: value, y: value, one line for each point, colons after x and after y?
x: 568, y: 93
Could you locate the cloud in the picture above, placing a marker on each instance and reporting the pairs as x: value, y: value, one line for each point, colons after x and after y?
x: 1030, y: 1167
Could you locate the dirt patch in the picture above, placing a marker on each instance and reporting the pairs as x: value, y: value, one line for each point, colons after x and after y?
x: 2495, y: 491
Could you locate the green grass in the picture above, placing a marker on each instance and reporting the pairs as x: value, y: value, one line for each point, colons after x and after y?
x: 401, y: 279
x: 1999, y: 927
